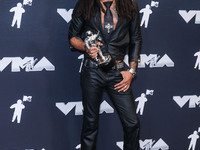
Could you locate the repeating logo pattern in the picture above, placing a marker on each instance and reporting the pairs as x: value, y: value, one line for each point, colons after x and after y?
x: 19, y: 9
x: 149, y: 144
x: 29, y: 64
x: 18, y: 12
x: 18, y: 107
x: 189, y: 15
x: 142, y: 100
x: 34, y: 149
x: 67, y: 108
x: 155, y: 61
x: 152, y: 60
x: 147, y: 11
x: 193, y: 139
x: 193, y: 100
x: 65, y: 14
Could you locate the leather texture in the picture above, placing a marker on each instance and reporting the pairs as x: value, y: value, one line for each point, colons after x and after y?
x: 125, y: 39
x: 93, y: 82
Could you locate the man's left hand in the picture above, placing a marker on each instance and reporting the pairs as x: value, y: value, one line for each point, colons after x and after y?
x: 125, y: 83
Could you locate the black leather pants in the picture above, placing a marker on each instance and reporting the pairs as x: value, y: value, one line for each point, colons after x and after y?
x: 93, y: 82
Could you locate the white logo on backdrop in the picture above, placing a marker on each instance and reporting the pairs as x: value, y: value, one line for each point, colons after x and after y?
x: 28, y: 63
x: 18, y: 11
x: 149, y: 144
x: 33, y: 149
x: 193, y: 100
x: 147, y: 11
x: 188, y: 16
x: 193, y: 139
x: 67, y: 108
x: 197, y: 64
x: 142, y: 100
x: 82, y: 59
x: 78, y: 146
x: 66, y: 15
x: 18, y: 107
x: 154, y: 61
x: 28, y: 2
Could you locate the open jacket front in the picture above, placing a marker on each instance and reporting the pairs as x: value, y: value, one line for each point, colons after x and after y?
x: 125, y: 39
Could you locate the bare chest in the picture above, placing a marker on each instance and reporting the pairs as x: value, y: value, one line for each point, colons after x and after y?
x: 114, y: 14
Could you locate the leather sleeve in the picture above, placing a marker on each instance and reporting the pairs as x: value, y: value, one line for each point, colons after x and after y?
x: 135, y: 39
x: 76, y: 25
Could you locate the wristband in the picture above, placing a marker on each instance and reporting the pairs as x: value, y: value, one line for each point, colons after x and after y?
x: 132, y: 71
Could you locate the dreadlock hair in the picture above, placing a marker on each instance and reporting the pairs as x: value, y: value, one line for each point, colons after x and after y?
x: 125, y: 8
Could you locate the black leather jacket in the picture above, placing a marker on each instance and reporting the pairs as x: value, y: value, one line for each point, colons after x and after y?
x: 125, y: 39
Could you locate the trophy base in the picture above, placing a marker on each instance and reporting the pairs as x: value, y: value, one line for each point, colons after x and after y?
x: 107, y: 63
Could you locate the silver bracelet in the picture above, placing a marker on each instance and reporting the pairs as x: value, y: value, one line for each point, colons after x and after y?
x: 132, y: 71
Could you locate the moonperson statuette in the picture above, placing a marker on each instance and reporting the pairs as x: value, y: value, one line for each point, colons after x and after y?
x: 105, y: 61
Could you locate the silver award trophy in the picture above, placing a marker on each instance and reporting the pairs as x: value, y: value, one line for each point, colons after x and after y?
x: 105, y: 61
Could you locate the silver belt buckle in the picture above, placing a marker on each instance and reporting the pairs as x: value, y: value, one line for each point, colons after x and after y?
x: 118, y: 65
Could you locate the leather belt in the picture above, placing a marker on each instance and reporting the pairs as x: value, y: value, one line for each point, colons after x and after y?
x: 119, y: 65
x: 93, y: 64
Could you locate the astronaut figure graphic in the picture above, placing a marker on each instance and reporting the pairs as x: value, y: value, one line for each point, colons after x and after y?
x: 19, y: 106
x: 146, y: 14
x: 18, y: 11
x: 141, y: 102
x: 147, y: 11
x: 194, y: 137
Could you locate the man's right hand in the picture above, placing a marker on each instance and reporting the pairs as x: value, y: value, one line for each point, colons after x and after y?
x: 93, y: 52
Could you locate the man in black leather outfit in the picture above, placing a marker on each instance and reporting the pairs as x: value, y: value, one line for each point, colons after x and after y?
x: 124, y: 38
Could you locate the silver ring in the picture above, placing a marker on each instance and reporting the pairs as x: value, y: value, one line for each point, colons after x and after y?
x: 125, y: 86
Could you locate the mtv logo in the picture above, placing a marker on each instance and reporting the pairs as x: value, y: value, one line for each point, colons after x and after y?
x: 154, y: 4
x: 149, y: 92
x: 155, y: 61
x: 148, y: 144
x: 27, y: 98
x: 28, y: 2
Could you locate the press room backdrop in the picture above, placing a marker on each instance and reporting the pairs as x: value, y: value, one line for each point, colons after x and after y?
x: 40, y: 96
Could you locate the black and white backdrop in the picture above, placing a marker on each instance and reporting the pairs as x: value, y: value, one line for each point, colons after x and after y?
x: 40, y: 96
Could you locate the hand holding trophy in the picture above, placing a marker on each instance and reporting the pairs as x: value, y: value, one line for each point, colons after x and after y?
x: 105, y: 61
